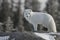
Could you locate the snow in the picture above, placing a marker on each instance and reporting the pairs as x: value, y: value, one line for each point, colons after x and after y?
x: 45, y: 36
x: 4, y: 38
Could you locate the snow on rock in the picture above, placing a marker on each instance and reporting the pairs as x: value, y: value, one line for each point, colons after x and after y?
x: 45, y: 36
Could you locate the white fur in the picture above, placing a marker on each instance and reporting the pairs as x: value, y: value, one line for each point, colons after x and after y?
x: 40, y: 18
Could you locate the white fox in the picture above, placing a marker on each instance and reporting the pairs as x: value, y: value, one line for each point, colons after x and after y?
x: 36, y: 18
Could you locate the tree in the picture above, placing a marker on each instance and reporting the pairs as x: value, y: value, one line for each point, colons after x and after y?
x: 20, y: 15
x: 36, y: 5
x: 5, y: 12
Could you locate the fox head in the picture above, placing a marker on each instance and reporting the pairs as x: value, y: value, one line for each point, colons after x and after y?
x: 27, y: 13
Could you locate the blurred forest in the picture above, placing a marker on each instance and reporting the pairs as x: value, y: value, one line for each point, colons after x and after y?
x: 11, y: 14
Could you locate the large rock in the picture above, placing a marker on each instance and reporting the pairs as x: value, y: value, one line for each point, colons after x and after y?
x: 20, y: 36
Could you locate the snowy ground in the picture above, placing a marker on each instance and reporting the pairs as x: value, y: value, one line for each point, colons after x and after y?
x: 28, y: 36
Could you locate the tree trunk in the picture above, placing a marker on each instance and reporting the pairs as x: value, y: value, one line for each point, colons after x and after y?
x: 20, y: 15
x: 36, y: 5
x: 5, y: 14
x: 28, y: 4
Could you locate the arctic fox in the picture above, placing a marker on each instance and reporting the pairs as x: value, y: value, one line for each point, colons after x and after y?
x: 36, y: 18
